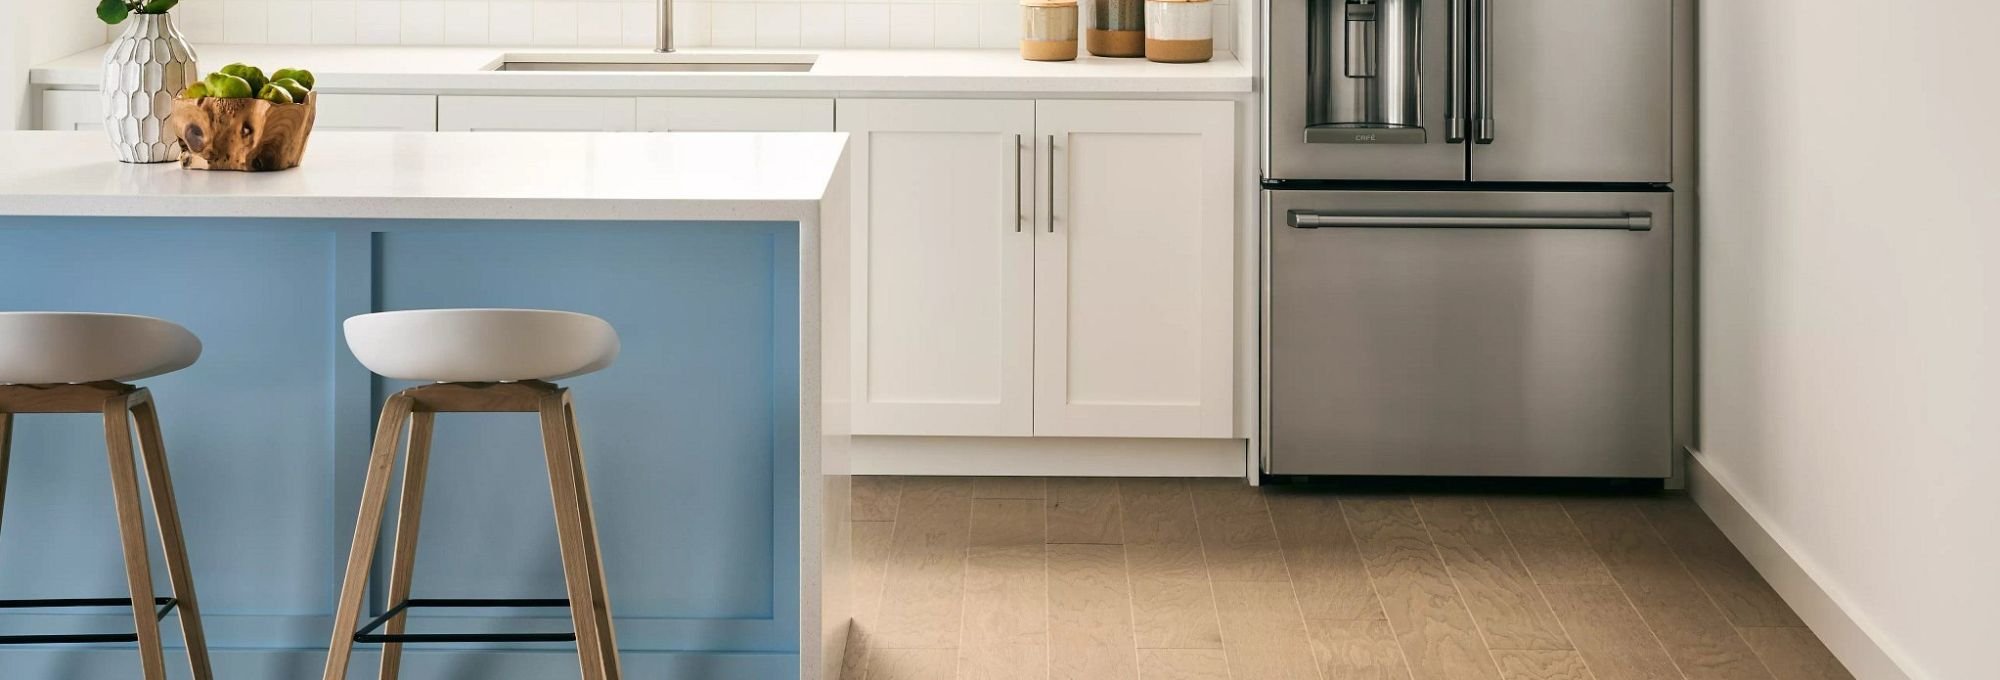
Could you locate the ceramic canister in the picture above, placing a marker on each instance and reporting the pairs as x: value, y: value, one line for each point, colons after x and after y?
x: 1117, y: 28
x: 1180, y: 31
x: 1048, y: 30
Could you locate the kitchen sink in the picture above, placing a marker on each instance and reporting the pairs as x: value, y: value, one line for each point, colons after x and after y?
x: 657, y: 63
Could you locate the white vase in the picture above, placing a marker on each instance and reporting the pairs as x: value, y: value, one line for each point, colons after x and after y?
x: 145, y: 67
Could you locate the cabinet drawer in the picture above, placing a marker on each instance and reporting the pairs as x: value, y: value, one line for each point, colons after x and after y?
x: 72, y: 110
x: 384, y: 112
x: 504, y: 114
x: 715, y: 114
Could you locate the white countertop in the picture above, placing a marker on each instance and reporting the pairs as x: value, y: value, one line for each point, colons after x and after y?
x: 778, y: 176
x: 464, y: 70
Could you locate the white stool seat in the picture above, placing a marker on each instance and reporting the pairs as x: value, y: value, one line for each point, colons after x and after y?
x: 39, y: 348
x: 481, y: 345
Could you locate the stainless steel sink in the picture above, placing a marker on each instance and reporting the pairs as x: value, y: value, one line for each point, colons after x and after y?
x: 657, y: 63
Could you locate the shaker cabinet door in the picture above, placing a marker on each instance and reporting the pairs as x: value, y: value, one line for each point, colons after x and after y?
x: 943, y: 262
x: 1134, y: 269
x: 1581, y: 92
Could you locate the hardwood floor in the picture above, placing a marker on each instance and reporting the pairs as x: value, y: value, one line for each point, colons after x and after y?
x: 1169, y: 579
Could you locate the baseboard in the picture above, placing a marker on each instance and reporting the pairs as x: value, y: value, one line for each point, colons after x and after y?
x: 1849, y: 635
x: 1049, y: 457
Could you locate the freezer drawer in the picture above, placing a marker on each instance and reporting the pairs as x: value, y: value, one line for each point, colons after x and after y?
x: 1469, y: 333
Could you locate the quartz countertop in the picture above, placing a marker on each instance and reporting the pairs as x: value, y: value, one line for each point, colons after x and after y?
x: 465, y: 70
x: 445, y: 175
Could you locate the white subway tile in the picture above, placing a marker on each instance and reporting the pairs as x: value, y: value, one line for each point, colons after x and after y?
x: 867, y: 25
x: 732, y: 24
x: 778, y: 25
x: 912, y: 25
x: 378, y: 22
x: 822, y: 25
x: 1000, y: 26
x: 639, y: 23
x: 246, y: 21
x: 200, y: 22
x: 511, y: 23
x: 423, y: 22
x: 956, y: 26
x: 693, y: 24
x: 465, y: 22
x: 555, y: 22
x: 600, y: 24
x: 333, y: 22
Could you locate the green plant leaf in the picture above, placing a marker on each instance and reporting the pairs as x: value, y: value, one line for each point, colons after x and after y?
x: 112, y: 11
x: 158, y: 6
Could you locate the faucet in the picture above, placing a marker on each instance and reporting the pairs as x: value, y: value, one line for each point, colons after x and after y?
x: 664, y: 41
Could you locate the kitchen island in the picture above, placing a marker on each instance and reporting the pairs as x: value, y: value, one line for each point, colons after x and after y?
x: 717, y: 440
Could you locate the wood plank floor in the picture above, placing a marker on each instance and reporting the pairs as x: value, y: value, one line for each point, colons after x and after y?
x: 1169, y: 579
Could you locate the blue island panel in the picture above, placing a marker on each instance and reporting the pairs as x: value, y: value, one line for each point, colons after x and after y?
x: 691, y: 438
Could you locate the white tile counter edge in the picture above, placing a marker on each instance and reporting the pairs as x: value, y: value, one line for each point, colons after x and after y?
x: 449, y: 70
x: 443, y: 175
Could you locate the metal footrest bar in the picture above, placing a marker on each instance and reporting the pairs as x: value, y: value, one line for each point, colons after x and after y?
x: 165, y: 604
x: 367, y: 634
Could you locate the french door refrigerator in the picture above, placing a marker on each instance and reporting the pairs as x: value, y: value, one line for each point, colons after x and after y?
x: 1470, y: 237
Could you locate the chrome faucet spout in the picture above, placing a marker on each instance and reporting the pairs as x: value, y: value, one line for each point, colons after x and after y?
x: 664, y: 41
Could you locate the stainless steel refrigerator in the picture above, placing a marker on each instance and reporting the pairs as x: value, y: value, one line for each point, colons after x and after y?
x: 1473, y: 258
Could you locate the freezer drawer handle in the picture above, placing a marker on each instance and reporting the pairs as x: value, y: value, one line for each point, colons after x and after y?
x: 1303, y: 219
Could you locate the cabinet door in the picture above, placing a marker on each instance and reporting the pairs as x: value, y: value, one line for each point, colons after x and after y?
x: 377, y: 112
x: 1134, y: 282
x: 1582, y: 92
x: 709, y: 114
x: 943, y: 266
x: 72, y: 110
x: 515, y: 114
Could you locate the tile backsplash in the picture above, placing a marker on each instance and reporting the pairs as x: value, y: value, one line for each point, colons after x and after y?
x: 611, y: 23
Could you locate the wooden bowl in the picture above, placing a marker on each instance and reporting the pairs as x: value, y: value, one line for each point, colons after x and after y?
x: 251, y: 135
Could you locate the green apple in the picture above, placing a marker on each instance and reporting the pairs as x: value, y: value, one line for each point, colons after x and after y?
x: 303, y: 76
x: 195, y: 90
x: 226, y: 86
x: 274, y: 94
x: 250, y: 74
x: 297, y: 91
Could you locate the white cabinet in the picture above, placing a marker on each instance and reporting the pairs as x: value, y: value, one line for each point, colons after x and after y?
x: 1134, y: 275
x: 375, y: 112
x: 516, y: 114
x: 72, y: 110
x: 84, y: 110
x: 944, y: 266
x: 1113, y: 315
x: 714, y: 114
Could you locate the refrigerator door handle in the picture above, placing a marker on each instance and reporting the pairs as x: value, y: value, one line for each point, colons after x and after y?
x: 1482, y: 71
x: 1305, y: 219
x: 1456, y: 76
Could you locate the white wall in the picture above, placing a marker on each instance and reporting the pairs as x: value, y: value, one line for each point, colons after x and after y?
x: 730, y: 23
x: 1851, y: 305
x: 38, y: 31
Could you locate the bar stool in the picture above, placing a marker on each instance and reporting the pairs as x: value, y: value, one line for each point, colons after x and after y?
x: 478, y: 361
x: 63, y: 362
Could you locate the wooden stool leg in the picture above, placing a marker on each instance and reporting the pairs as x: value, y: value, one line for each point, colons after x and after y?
x: 132, y: 534
x: 607, y: 633
x: 173, y: 544
x: 570, y: 534
x: 367, y: 531
x: 6, y: 445
x: 409, y: 515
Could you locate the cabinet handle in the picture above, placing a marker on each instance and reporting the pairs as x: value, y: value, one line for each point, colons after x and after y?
x: 1482, y: 34
x: 1052, y: 184
x: 1019, y: 215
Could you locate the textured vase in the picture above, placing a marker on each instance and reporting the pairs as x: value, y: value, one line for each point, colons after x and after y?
x: 145, y: 67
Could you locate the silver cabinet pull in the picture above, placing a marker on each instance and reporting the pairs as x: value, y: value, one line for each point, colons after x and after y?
x: 1482, y: 123
x: 1052, y: 184
x: 1301, y: 219
x: 1455, y: 77
x: 1019, y: 214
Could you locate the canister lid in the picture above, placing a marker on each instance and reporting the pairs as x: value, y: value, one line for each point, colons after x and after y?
x: 1048, y: 3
